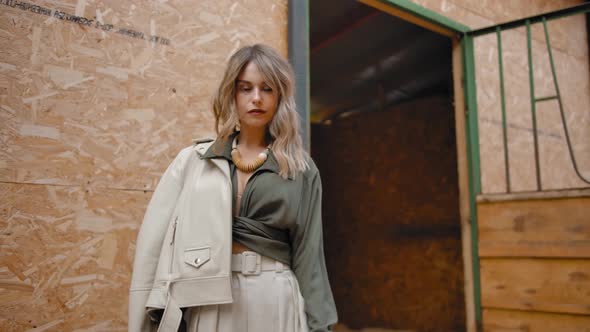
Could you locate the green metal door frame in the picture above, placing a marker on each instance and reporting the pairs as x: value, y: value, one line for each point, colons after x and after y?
x: 473, y: 163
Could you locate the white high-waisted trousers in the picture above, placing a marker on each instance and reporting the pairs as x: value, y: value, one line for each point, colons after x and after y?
x: 266, y: 302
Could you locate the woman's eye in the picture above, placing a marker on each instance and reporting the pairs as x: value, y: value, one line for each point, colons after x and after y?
x: 267, y: 89
x: 245, y: 88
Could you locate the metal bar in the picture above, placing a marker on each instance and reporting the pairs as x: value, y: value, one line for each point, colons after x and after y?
x: 561, y: 112
x: 298, y: 29
x: 581, y: 8
x: 473, y: 159
x: 538, y: 100
x: 533, y: 104
x: 503, y: 100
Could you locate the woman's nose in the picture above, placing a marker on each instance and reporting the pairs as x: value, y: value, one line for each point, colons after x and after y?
x: 256, y: 96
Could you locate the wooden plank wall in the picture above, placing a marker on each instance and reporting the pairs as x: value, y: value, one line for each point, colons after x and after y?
x: 96, y: 98
x: 535, y: 264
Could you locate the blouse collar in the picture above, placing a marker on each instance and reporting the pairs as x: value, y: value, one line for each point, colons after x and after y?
x: 221, y: 149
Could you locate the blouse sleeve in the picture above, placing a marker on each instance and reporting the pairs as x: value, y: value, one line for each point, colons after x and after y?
x: 308, y: 262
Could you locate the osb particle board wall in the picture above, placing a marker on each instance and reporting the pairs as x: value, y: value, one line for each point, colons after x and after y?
x: 391, y: 227
x: 91, y: 113
x: 570, y: 50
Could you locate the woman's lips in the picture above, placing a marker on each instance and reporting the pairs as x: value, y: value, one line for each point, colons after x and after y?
x: 256, y: 112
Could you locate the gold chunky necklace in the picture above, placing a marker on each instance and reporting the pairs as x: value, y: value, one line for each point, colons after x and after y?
x: 247, y: 167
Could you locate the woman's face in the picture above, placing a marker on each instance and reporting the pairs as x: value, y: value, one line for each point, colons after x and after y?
x: 256, y: 101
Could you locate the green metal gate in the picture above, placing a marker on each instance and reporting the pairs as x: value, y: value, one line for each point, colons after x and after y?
x: 470, y: 74
x: 467, y: 43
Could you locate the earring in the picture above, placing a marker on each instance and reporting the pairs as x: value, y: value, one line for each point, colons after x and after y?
x: 237, y: 128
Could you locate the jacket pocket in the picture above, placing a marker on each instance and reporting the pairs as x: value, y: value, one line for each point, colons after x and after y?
x: 196, y: 257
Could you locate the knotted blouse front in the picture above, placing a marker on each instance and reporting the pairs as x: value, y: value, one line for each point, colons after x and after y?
x: 282, y: 219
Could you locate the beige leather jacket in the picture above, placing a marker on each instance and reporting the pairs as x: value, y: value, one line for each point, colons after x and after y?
x: 183, y: 251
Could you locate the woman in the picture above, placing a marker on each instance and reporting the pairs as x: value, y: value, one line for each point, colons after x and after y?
x: 278, y: 279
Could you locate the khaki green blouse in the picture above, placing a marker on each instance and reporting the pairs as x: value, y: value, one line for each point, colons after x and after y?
x: 282, y: 219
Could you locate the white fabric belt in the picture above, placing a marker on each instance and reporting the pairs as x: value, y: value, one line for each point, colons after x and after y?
x: 252, y: 263
x: 247, y: 262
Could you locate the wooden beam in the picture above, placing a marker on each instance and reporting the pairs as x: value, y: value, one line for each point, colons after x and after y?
x: 409, y: 17
x: 495, y: 320
x: 546, y: 285
x: 343, y: 31
x: 536, y: 228
x: 534, y: 195
x: 464, y: 208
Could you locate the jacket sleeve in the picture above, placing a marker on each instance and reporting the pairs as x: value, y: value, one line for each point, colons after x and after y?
x: 150, y: 238
x: 308, y: 262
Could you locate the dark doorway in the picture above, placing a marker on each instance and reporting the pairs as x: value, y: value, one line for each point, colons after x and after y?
x: 383, y: 137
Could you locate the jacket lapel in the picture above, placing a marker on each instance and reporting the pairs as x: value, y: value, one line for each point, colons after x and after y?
x: 220, y: 162
x: 223, y: 165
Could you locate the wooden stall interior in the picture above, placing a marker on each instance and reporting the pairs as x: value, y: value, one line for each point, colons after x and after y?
x: 383, y: 136
x: 377, y: 128
x: 529, y: 191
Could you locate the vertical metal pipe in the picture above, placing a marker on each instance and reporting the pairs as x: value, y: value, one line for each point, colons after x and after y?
x: 533, y: 104
x: 298, y: 28
x: 473, y: 160
x: 503, y: 100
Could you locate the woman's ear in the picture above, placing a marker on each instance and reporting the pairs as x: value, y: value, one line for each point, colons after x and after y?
x: 237, y: 127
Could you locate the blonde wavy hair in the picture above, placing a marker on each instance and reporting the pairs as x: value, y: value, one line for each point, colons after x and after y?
x: 283, y: 130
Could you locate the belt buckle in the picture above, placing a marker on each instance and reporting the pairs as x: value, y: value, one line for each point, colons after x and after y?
x: 251, y: 263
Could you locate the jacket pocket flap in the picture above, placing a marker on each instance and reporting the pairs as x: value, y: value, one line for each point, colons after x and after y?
x: 197, y: 256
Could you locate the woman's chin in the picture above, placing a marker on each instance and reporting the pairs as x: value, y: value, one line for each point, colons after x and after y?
x: 254, y: 124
